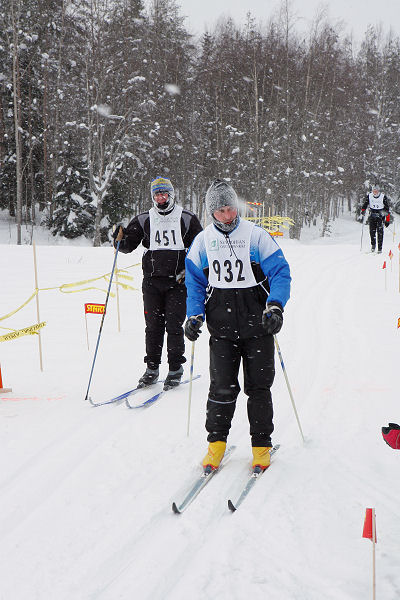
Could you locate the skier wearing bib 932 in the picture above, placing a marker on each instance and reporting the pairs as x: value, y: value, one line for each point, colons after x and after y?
x: 232, y: 267
x: 166, y: 231
x: 379, y: 215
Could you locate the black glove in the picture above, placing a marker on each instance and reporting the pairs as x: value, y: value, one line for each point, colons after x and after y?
x: 192, y: 327
x: 391, y: 435
x: 387, y: 221
x: 272, y: 318
x: 116, y: 230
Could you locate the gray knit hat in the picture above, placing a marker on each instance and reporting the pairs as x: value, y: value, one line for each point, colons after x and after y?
x: 376, y: 187
x: 220, y: 194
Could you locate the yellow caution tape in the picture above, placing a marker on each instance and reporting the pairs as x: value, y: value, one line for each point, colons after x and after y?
x: 272, y: 224
x: 62, y: 287
x: 19, y: 308
x: 32, y: 330
x: 106, y: 277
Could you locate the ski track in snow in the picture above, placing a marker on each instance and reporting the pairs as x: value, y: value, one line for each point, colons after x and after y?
x: 86, y: 492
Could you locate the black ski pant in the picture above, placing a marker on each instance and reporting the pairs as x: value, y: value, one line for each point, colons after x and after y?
x: 376, y: 227
x: 164, y: 302
x: 257, y: 354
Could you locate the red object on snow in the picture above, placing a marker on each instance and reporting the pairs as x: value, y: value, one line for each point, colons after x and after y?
x: 369, y: 522
x: 391, y: 435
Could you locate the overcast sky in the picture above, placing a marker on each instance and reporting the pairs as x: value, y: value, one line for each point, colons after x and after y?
x: 356, y: 14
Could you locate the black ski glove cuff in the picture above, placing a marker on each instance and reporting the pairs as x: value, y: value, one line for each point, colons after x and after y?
x: 192, y: 327
x: 272, y: 318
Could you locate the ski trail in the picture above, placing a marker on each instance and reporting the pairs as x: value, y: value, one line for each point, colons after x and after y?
x: 179, y: 538
x: 48, y: 468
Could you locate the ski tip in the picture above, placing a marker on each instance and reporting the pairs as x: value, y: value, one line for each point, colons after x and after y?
x: 231, y: 506
x: 175, y: 509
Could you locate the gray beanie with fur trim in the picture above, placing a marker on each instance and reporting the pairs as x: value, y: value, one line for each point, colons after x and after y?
x: 219, y: 194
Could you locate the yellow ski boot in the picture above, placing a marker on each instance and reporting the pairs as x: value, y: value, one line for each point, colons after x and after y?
x: 216, y: 451
x: 261, y: 457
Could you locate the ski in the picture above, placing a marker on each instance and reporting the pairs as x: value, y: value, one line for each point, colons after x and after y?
x: 122, y: 396
x: 200, y: 484
x: 254, y: 477
x: 156, y: 396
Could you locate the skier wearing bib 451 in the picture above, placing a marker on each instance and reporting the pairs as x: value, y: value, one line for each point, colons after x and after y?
x: 166, y: 231
x: 232, y: 267
x: 379, y: 215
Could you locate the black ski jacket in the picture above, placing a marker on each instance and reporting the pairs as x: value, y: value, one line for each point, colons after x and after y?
x: 159, y: 263
x: 376, y: 213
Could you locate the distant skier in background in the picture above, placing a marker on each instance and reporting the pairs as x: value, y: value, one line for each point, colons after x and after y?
x: 232, y: 268
x: 166, y: 231
x: 379, y: 215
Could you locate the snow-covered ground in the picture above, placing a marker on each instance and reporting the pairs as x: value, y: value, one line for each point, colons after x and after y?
x: 86, y: 492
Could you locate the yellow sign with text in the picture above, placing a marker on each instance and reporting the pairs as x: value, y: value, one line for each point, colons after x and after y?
x: 96, y: 309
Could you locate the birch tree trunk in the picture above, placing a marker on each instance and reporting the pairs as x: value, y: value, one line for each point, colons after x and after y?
x: 15, y: 12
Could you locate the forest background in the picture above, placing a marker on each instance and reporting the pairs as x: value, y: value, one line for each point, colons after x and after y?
x: 98, y: 97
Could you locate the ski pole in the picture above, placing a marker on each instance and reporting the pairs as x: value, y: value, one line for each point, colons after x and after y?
x: 288, y: 385
x: 119, y: 237
x: 362, y: 231
x: 190, y: 386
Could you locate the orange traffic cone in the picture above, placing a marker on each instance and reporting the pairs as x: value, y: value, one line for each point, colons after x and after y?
x: 2, y: 390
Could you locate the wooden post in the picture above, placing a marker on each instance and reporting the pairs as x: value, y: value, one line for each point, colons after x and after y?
x: 117, y: 286
x: 369, y: 532
x: 87, y: 333
x: 373, y: 554
x: 37, y: 305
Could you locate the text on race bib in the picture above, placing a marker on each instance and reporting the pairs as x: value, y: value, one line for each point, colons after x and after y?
x: 165, y: 237
x: 228, y: 271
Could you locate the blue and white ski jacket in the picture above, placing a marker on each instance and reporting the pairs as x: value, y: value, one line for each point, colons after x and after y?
x: 230, y: 276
